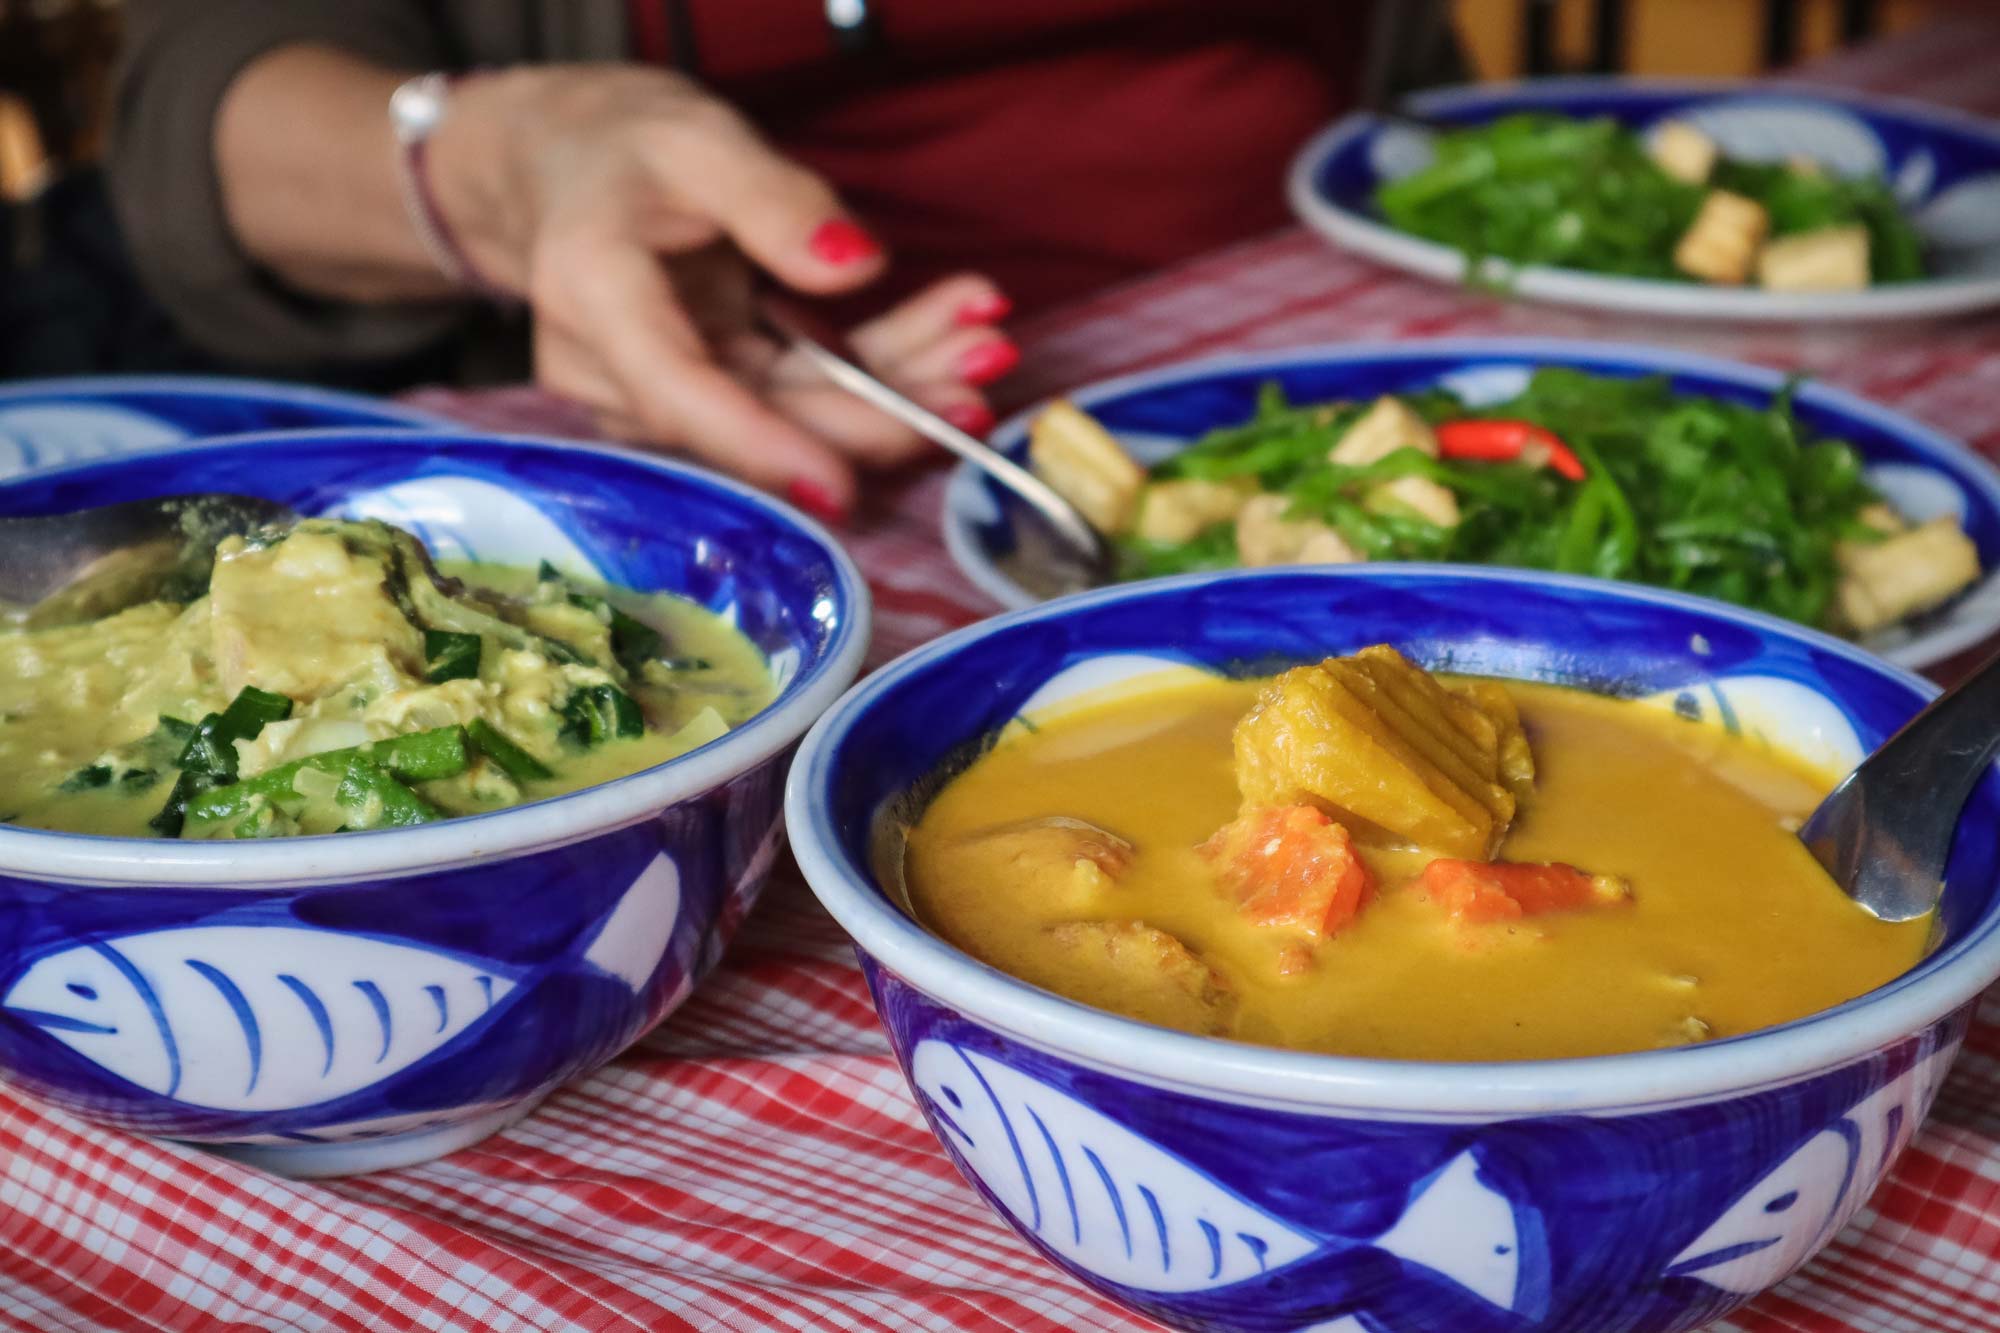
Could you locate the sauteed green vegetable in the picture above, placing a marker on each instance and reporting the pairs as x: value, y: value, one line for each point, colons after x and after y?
x: 1587, y: 474
x: 1547, y: 189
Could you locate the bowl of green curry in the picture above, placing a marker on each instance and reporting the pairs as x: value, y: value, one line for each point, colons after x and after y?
x: 342, y: 854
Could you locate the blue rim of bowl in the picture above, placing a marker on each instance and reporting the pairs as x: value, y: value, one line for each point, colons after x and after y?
x: 1010, y: 436
x: 1303, y: 1080
x: 1929, y: 298
x: 112, y: 387
x: 84, y: 859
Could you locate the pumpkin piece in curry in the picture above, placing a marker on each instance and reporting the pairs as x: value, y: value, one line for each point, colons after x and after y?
x: 1387, y: 750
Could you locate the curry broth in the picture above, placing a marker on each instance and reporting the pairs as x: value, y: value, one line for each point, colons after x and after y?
x: 1731, y: 926
x: 71, y: 694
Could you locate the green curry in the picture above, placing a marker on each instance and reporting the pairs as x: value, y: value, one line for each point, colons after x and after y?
x: 332, y: 679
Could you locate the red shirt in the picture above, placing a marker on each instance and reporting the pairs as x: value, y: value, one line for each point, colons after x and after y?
x: 1055, y: 145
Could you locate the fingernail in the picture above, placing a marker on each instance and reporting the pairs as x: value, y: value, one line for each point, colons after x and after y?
x: 816, y: 500
x: 988, y: 309
x: 972, y: 418
x: 843, y: 242
x: 989, y: 361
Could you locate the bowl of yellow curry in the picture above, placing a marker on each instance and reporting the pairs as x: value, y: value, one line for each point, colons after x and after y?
x: 1393, y: 947
x: 344, y: 842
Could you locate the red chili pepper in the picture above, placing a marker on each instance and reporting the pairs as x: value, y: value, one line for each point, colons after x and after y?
x: 1502, y: 441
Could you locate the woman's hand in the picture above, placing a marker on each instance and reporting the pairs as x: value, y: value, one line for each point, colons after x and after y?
x: 627, y: 206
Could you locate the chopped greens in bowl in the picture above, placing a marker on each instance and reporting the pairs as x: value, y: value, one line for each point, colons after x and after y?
x: 1684, y: 492
x: 1593, y: 194
x: 330, y: 679
x: 1652, y: 466
x: 1711, y: 200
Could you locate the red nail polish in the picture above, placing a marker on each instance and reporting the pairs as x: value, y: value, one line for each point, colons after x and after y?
x: 816, y: 500
x: 989, y: 361
x: 843, y: 242
x: 972, y: 418
x: 988, y: 309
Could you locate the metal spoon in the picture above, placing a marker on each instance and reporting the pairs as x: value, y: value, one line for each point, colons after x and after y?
x: 1077, y: 558
x: 1884, y: 833
x: 59, y: 569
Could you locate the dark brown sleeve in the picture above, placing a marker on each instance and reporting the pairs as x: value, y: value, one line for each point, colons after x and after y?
x: 180, y: 57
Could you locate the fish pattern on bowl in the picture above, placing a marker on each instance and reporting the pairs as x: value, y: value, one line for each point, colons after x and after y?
x: 53, y: 422
x: 316, y: 1018
x: 1141, y: 1191
x: 1943, y: 167
x: 1156, y: 411
x: 1293, y: 1192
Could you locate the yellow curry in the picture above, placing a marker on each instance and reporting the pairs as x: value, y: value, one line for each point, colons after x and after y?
x: 329, y: 678
x: 1359, y: 858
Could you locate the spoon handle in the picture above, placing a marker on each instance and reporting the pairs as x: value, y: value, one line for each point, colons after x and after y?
x: 792, y: 329
x: 1886, y: 831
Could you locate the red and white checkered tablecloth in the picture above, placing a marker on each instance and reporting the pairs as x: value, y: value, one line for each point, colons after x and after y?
x: 757, y: 1163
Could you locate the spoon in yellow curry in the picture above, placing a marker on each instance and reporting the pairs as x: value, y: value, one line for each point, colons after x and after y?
x: 1885, y: 832
x: 60, y: 569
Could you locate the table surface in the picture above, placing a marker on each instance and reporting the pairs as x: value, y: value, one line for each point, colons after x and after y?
x: 757, y: 1162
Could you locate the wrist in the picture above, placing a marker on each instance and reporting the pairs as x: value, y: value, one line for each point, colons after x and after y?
x: 474, y: 183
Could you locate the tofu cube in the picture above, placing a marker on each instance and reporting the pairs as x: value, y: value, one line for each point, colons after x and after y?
x: 1178, y: 511
x: 1882, y: 517
x: 1383, y: 429
x: 1832, y: 259
x: 1684, y: 152
x: 1085, y: 465
x: 1884, y: 582
x: 1427, y: 499
x: 1264, y: 536
x: 1721, y: 244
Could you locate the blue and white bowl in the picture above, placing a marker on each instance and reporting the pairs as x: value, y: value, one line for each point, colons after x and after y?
x: 344, y: 1003
x: 52, y: 422
x: 1215, y: 1185
x: 1943, y: 166
x: 1157, y: 412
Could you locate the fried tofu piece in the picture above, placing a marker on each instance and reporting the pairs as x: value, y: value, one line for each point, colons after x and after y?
x: 1684, y: 152
x: 1264, y: 536
x: 1882, y: 517
x: 1066, y: 862
x: 1085, y: 465
x: 1131, y: 968
x: 1384, y: 428
x: 1178, y: 511
x: 1721, y: 244
x: 1831, y: 259
x: 1884, y: 582
x: 1426, y: 499
x: 1290, y: 866
x: 1388, y: 750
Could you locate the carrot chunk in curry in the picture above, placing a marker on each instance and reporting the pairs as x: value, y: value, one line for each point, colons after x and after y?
x: 1475, y: 892
x: 1290, y: 865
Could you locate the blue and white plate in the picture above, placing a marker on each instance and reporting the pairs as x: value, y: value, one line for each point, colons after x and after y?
x: 46, y: 423
x: 1943, y: 166
x: 1923, y: 472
